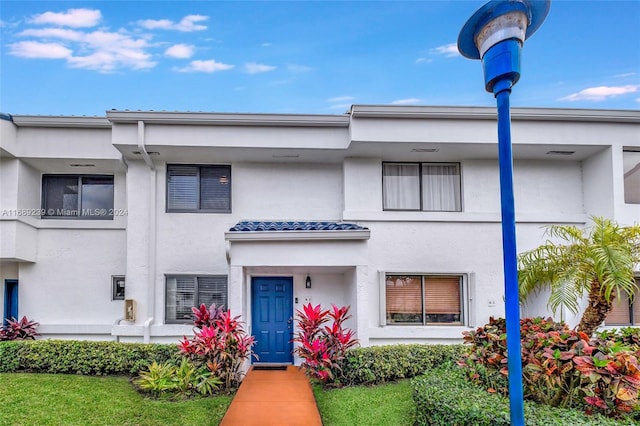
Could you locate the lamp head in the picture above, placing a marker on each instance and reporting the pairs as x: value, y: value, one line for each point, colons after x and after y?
x: 496, y: 33
x: 500, y: 20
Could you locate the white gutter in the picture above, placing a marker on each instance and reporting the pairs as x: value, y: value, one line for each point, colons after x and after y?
x: 151, y: 299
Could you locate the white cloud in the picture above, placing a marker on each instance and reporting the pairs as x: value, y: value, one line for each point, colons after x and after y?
x: 182, y: 51
x: 449, y: 50
x: 186, y: 24
x: 265, y: 44
x: 600, y: 93
x: 34, y: 49
x: 340, y: 99
x: 75, y: 18
x: 298, y: 68
x: 407, y: 101
x: 103, y: 51
x: 421, y: 60
x: 60, y: 33
x: 626, y: 74
x: 254, y: 68
x: 205, y: 66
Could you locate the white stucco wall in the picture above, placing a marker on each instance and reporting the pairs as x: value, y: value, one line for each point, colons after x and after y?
x: 66, y: 266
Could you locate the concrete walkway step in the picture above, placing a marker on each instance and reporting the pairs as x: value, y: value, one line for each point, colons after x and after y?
x: 273, y: 398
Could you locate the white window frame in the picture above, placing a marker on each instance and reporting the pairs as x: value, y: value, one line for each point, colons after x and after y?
x: 420, y: 165
x: 196, y: 293
x: 199, y: 209
x: 466, y: 298
x: 102, y: 213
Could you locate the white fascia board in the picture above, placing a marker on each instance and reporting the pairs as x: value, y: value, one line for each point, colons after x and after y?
x: 489, y: 113
x: 229, y: 119
x: 60, y: 121
x: 296, y: 235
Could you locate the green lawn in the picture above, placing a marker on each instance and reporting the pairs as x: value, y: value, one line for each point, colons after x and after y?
x: 385, y: 405
x: 47, y: 399
x: 58, y: 399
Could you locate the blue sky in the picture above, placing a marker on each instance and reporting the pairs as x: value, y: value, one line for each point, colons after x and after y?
x: 83, y: 58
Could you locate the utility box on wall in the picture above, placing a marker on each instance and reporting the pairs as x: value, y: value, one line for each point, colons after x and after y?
x: 130, y: 310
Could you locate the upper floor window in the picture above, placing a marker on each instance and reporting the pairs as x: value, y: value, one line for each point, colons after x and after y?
x: 424, y: 299
x: 631, y: 160
x: 186, y: 291
x: 625, y: 310
x: 193, y: 188
x: 421, y: 186
x: 77, y: 196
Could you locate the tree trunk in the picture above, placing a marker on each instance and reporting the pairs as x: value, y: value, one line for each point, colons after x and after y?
x: 596, y: 311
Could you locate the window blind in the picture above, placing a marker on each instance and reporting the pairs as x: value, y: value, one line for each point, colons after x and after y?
x: 215, y: 188
x: 404, y: 295
x: 182, y: 187
x: 442, y: 295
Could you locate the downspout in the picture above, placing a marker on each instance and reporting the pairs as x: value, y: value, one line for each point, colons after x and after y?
x: 151, y: 298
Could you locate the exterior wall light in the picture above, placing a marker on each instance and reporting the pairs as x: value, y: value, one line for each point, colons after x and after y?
x: 495, y: 34
x: 307, y: 282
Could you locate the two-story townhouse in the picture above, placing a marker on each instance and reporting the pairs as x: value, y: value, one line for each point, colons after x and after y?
x: 393, y: 210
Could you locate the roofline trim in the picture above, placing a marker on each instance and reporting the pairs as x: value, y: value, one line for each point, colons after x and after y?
x: 489, y: 113
x: 60, y: 121
x: 361, y: 234
x: 229, y: 119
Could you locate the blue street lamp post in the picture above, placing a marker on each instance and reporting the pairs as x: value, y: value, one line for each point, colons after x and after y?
x: 495, y: 34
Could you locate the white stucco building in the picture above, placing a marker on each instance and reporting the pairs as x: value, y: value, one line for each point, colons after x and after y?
x: 393, y: 210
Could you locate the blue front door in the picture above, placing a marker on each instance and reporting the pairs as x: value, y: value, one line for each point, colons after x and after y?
x: 10, y: 300
x: 272, y: 318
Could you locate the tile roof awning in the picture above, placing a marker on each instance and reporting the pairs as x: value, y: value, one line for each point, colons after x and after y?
x: 273, y: 231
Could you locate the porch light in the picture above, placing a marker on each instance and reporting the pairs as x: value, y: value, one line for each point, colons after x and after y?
x: 495, y: 34
x: 307, y: 282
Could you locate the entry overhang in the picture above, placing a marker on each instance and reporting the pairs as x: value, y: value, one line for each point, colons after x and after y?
x: 296, y: 231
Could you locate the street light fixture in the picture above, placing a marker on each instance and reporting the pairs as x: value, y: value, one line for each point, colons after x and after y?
x: 495, y: 34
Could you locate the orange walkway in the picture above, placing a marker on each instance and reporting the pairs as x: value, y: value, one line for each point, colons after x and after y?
x: 273, y: 398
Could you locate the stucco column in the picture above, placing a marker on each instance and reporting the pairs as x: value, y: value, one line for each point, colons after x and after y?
x: 139, y: 273
x: 366, y: 292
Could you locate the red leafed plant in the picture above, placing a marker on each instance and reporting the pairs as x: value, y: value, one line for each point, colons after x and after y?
x: 322, y: 347
x: 613, y: 381
x: 219, y: 342
x: 561, y: 367
x: 19, y: 330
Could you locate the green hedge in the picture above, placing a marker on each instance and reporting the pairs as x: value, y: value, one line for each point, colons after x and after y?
x: 82, y: 357
x: 380, y: 364
x: 445, y: 397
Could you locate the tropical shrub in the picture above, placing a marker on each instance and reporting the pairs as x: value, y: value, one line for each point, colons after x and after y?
x: 322, y: 348
x: 19, y: 330
x: 182, y: 380
x: 220, y: 344
x: 561, y: 367
x: 445, y: 397
x: 627, y: 336
x: 82, y: 357
x: 599, y: 262
x: 381, y: 364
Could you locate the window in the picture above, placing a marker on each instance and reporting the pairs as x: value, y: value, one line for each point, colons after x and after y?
x: 117, y: 288
x: 423, y: 299
x: 187, y: 291
x: 79, y: 197
x: 199, y: 188
x: 421, y: 186
x: 625, y: 311
x: 631, y: 161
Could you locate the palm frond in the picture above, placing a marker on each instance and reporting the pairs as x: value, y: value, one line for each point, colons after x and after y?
x: 564, y: 294
x: 572, y: 259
